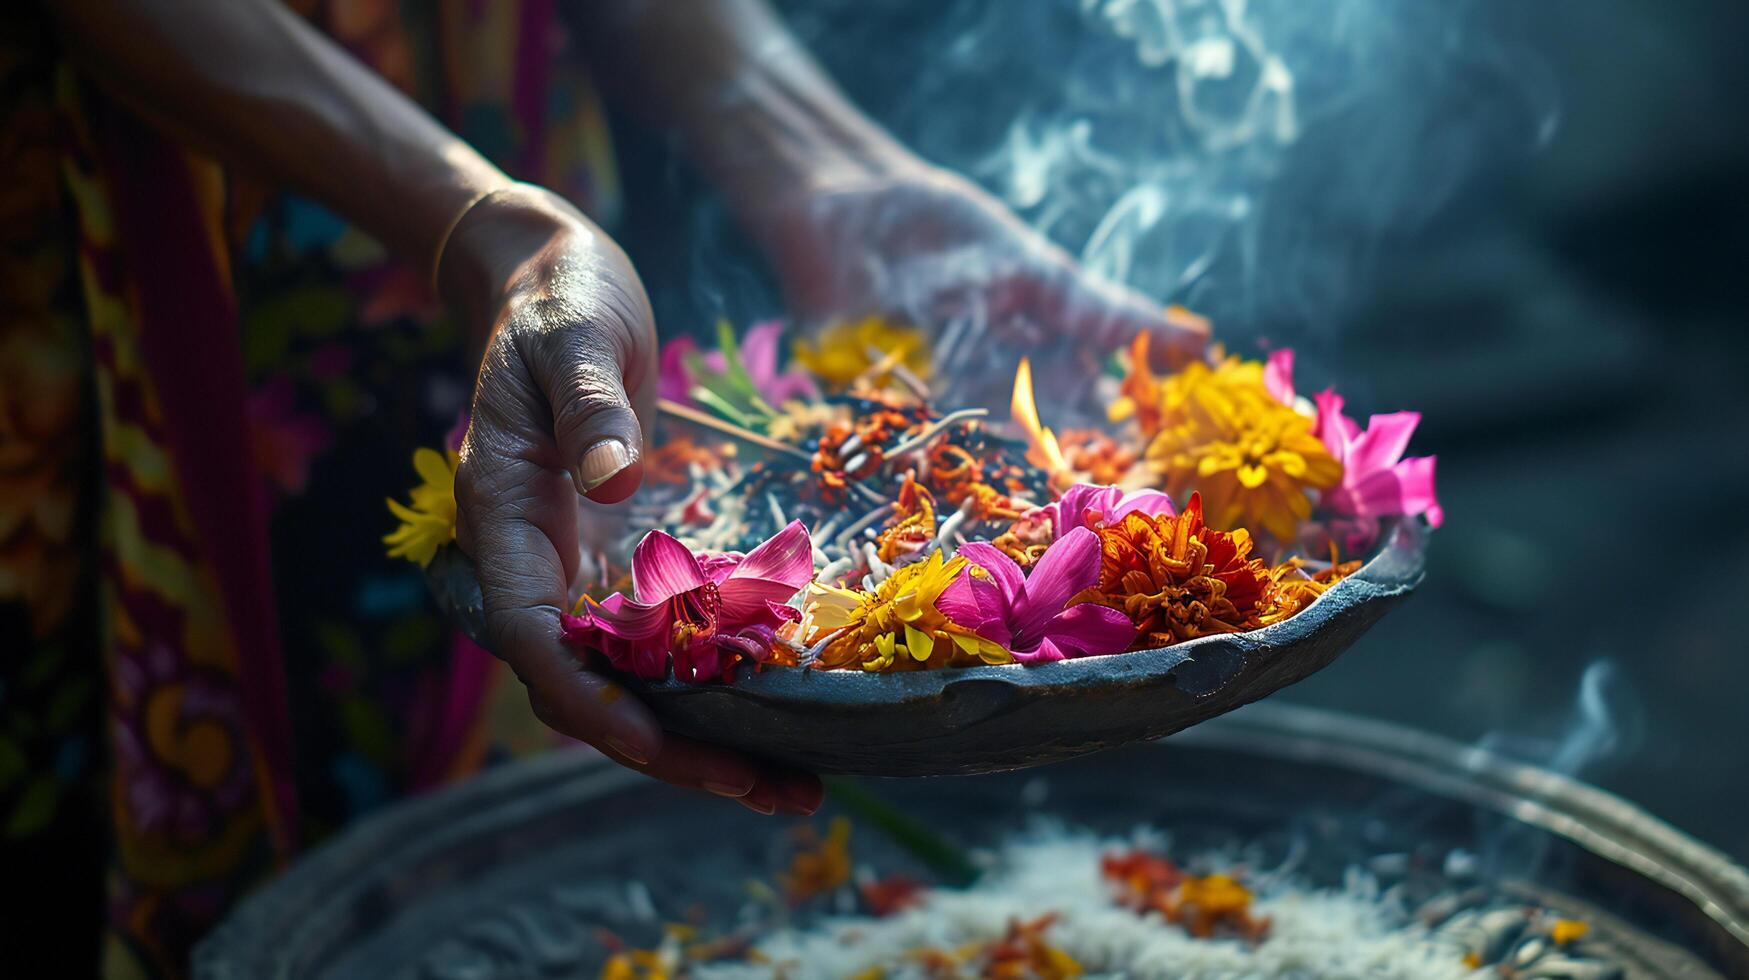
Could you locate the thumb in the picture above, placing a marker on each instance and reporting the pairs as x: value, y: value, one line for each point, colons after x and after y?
x: 595, y: 429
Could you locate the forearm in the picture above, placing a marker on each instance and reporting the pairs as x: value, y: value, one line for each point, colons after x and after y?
x: 253, y: 85
x: 758, y: 115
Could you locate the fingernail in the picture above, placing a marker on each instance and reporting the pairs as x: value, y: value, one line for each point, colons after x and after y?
x: 601, y: 462
x: 726, y: 789
x: 802, y: 796
x: 623, y: 749
x: 757, y: 805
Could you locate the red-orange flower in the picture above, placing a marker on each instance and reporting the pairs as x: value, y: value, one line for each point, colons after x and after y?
x: 1178, y: 579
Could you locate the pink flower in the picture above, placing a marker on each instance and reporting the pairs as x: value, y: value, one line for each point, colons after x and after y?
x: 1278, y: 376
x: 1088, y: 505
x: 1376, y: 480
x: 707, y: 612
x: 673, y: 378
x: 1084, y: 505
x: 1027, y: 614
x: 758, y: 352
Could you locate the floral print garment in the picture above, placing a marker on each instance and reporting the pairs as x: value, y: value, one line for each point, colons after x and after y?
x: 207, y: 389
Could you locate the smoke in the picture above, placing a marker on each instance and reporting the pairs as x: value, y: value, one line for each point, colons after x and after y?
x: 1245, y: 157
x: 1603, y: 724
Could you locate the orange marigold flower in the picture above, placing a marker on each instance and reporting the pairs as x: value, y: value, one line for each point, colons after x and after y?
x: 671, y: 461
x: 1139, y: 392
x: 1177, y: 578
x: 820, y: 865
x: 1096, y: 457
x: 1216, y: 903
x: 913, y: 523
x: 1292, y: 590
x: 1023, y: 952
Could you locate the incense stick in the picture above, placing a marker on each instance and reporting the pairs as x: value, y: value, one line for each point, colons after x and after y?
x: 727, y: 428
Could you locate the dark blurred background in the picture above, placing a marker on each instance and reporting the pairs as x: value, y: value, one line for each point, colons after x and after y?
x: 1525, y: 220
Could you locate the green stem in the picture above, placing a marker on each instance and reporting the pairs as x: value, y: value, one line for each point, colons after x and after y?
x: 947, y: 861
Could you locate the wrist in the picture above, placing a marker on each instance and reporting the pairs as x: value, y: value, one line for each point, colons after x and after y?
x: 486, y: 256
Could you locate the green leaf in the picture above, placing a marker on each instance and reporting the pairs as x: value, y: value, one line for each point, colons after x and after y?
x: 737, y: 372
x: 717, y: 404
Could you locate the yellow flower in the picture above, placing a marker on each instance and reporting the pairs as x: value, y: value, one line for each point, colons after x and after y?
x: 1567, y: 931
x: 898, y: 627
x: 430, y: 522
x: 1253, y: 458
x: 844, y: 351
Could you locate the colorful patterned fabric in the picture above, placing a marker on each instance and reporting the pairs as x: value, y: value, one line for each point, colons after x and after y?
x: 208, y: 390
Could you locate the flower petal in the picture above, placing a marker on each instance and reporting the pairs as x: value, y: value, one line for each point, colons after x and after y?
x: 673, y: 380
x: 663, y: 568
x: 748, y: 600
x: 1145, y: 501
x: 1046, y: 653
x: 1066, y: 568
x: 759, y: 352
x: 1003, y: 570
x: 920, y: 644
x: 629, y: 619
x: 786, y: 557
x: 1382, y: 444
x: 977, y: 605
x: 1278, y: 376
x: 1088, y: 630
x: 1334, y: 429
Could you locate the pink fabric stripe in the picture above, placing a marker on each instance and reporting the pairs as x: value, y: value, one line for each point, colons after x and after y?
x: 457, y: 714
x: 528, y: 93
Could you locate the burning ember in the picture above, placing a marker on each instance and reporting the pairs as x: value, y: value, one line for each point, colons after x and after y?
x: 916, y: 539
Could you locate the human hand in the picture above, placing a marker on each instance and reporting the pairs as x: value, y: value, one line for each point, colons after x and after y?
x: 927, y: 245
x: 568, y: 371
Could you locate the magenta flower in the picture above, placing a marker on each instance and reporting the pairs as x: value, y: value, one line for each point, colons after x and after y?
x: 758, y: 353
x: 1084, y: 505
x: 1278, y: 376
x: 706, y: 612
x: 1088, y: 505
x: 1377, y: 481
x: 673, y: 377
x: 1030, y: 614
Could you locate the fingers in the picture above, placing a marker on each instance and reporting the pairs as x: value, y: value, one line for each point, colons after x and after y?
x: 595, y: 427
x: 761, y: 788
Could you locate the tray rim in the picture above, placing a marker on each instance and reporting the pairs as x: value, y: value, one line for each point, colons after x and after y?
x: 1595, y: 820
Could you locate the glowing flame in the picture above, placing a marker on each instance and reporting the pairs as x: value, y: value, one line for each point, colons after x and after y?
x: 1044, y: 451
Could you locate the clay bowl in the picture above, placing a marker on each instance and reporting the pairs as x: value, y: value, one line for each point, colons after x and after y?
x: 987, y: 719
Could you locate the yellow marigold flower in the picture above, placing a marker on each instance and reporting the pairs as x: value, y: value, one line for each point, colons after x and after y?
x: 844, y: 351
x: 1566, y: 931
x: 1253, y: 458
x: 430, y: 522
x: 898, y: 627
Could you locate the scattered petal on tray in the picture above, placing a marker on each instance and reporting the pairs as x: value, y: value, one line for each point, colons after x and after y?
x: 825, y: 514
